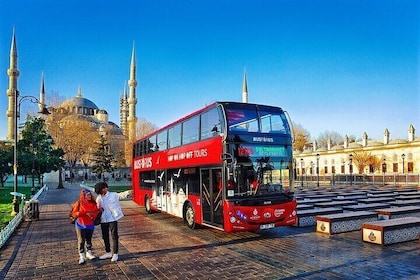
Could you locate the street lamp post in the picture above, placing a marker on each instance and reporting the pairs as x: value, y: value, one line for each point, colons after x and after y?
x: 351, y: 169
x: 403, y: 158
x: 384, y: 170
x: 301, y: 172
x: 312, y: 171
x: 317, y: 169
x: 16, y: 114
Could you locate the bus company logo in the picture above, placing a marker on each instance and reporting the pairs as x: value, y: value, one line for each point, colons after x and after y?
x: 143, y: 163
x: 267, y: 215
x: 263, y: 139
x: 278, y: 212
x: 255, y: 215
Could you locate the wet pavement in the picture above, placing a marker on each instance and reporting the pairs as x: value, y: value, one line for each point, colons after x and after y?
x: 159, y: 246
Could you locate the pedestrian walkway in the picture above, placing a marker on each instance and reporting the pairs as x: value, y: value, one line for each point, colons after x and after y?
x: 158, y: 246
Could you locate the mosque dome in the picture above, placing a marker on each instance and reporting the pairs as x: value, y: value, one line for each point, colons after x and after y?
x: 79, y: 105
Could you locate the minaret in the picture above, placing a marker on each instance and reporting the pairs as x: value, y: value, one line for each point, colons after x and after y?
x: 12, y: 92
x: 364, y: 139
x: 41, y: 95
x: 386, y: 136
x: 411, y: 133
x: 132, y: 100
x: 245, y: 89
x: 124, y: 112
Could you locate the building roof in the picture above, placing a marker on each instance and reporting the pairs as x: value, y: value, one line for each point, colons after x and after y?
x: 79, y: 102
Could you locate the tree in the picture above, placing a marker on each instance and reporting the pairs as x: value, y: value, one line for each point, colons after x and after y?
x: 301, y: 137
x: 102, y: 158
x: 76, y: 136
x: 119, y: 160
x: 361, y: 160
x: 144, y: 127
x: 6, y: 161
x: 36, y: 155
x: 334, y: 137
x: 375, y: 163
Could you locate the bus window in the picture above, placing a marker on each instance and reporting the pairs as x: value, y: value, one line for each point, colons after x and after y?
x: 272, y: 123
x: 151, y: 144
x: 242, y: 120
x: 174, y: 136
x: 190, y: 130
x: 143, y: 147
x: 147, y: 179
x: 210, y: 124
x: 162, y: 141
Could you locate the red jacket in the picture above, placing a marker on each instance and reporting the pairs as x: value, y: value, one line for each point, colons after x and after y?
x: 85, y: 210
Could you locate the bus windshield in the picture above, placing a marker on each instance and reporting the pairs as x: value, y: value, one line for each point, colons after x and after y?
x: 246, y: 120
x: 258, y: 177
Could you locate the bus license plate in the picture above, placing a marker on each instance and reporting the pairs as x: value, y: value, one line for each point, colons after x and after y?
x: 266, y: 226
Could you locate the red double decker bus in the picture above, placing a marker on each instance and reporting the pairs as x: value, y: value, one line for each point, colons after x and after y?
x: 228, y: 166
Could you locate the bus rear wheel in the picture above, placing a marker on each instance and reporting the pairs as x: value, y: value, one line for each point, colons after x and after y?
x: 190, y: 216
x: 148, y: 206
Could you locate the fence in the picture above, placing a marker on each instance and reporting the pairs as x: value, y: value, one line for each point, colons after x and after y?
x: 8, y: 230
x: 358, y: 179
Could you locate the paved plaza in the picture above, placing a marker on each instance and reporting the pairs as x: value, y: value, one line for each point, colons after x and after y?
x: 159, y: 246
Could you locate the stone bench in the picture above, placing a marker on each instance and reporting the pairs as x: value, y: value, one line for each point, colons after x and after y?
x: 320, y: 196
x: 312, y: 201
x: 400, y: 203
x: 408, y: 197
x: 300, y: 206
x: 391, y: 231
x: 308, y: 217
x: 370, y: 196
x: 344, y: 222
x: 348, y: 197
x: 365, y: 207
x: 398, y: 212
x: 335, y: 203
x: 377, y: 200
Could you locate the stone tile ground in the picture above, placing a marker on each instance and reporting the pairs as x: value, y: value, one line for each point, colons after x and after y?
x: 158, y: 246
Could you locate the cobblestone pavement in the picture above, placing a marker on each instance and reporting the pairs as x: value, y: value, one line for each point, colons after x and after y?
x: 159, y: 246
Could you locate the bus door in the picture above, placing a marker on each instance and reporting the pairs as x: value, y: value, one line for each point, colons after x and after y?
x: 161, y: 195
x: 211, y: 196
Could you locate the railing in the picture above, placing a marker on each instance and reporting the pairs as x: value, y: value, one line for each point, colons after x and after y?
x: 8, y: 230
x: 358, y: 179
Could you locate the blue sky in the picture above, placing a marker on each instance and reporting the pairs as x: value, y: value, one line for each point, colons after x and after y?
x: 343, y: 66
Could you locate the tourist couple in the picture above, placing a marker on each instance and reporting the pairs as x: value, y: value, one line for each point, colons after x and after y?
x: 85, y: 210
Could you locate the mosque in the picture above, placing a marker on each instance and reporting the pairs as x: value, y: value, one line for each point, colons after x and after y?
x: 119, y: 137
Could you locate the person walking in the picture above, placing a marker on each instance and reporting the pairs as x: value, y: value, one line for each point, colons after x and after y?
x: 109, y: 204
x: 85, y: 211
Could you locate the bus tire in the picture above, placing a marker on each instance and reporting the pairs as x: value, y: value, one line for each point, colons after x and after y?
x: 189, y: 216
x: 148, y: 205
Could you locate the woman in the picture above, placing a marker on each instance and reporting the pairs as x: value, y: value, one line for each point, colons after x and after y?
x: 85, y: 212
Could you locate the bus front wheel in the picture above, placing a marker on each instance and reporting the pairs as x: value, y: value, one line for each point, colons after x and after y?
x: 190, y: 216
x: 147, y: 205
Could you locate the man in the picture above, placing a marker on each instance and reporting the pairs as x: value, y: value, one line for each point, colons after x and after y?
x: 109, y: 204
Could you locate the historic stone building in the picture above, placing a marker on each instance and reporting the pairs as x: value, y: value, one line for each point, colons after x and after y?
x: 398, y: 156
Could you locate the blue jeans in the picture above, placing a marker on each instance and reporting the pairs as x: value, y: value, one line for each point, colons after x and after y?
x: 106, y: 228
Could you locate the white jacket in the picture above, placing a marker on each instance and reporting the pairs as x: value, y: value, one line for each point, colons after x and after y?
x: 110, y: 202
